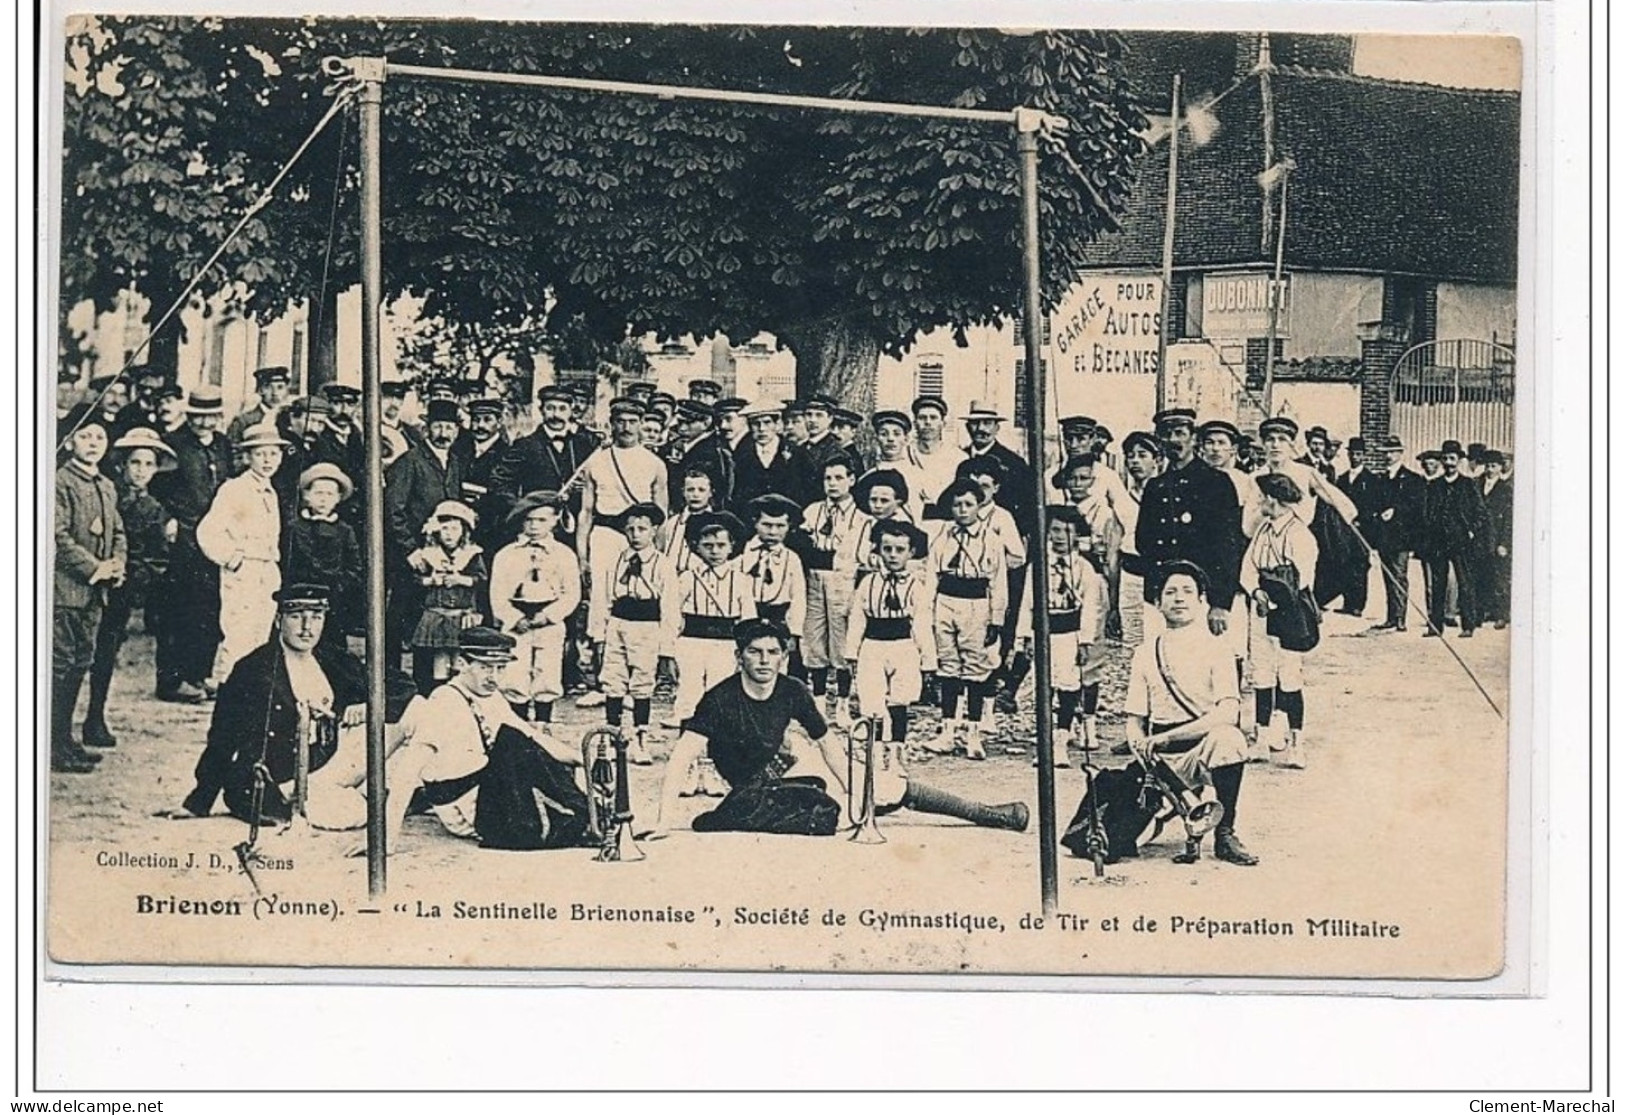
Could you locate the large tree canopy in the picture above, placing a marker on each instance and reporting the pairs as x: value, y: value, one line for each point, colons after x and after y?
x: 843, y: 235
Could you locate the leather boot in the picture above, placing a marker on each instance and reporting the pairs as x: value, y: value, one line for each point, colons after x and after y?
x: 1230, y: 849
x: 929, y: 799
x: 66, y: 754
x: 95, y: 732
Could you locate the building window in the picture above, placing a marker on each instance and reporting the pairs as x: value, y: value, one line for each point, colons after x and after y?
x: 296, y: 361
x: 928, y: 379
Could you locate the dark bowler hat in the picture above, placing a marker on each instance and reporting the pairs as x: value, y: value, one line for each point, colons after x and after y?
x: 1220, y: 426
x: 1280, y: 423
x: 1494, y: 457
x: 1391, y: 443
x: 1077, y: 422
x: 1144, y: 439
x: 650, y: 511
x: 930, y: 402
x: 1316, y: 431
x: 484, y: 405
x: 773, y: 503
x: 533, y: 500
x: 553, y: 393
x: 341, y: 393
x: 892, y: 417
x: 1475, y: 450
x: 302, y: 597
x: 276, y: 373
x: 1356, y: 444
x: 1058, y: 477
x: 795, y: 408
x: 485, y: 644
x: 698, y: 526
x: 1449, y: 447
x: 840, y: 416
x: 1174, y: 417
x: 880, y: 478
x: 441, y: 410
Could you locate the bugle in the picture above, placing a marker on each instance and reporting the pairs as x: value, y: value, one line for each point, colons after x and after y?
x: 609, y: 797
x: 865, y: 829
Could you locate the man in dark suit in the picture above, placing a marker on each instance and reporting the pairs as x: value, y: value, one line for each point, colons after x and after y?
x: 698, y: 445
x: 1360, y: 484
x: 547, y: 458
x: 1016, y: 494
x: 1190, y: 513
x: 1392, y: 522
x: 483, y: 447
x: 1497, y: 584
x: 417, y: 482
x: 1459, y: 527
x: 188, y: 628
x: 766, y: 463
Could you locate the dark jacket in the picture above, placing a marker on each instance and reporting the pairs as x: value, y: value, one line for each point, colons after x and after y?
x: 1191, y: 514
x: 711, y: 455
x: 414, y: 485
x: 1405, y: 496
x: 188, y: 489
x: 327, y: 553
x: 1498, y: 514
x: 534, y: 463
x: 1016, y: 490
x: 255, y: 716
x: 786, y: 474
x: 1457, y: 523
x: 89, y: 531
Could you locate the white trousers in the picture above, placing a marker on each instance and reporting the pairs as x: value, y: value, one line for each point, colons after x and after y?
x: 247, y: 611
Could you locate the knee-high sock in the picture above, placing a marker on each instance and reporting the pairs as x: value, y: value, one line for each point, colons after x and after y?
x: 820, y: 682
x: 898, y: 714
x: 1227, y: 785
x: 544, y: 712
x: 1291, y: 704
x: 640, y: 712
x: 1091, y: 699
x: 929, y: 799
x: 950, y: 689
x: 1068, y: 712
x: 843, y: 682
x: 1263, y: 706
x: 613, y: 707
x: 1020, y: 664
x: 975, y: 697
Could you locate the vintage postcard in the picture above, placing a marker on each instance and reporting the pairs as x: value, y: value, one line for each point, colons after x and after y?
x: 590, y: 498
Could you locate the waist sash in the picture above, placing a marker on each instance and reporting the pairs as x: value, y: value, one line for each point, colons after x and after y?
x: 962, y: 588
x: 708, y: 627
x: 888, y: 629
x: 636, y: 609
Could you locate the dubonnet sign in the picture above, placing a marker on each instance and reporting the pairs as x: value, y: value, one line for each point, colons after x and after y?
x: 1238, y: 305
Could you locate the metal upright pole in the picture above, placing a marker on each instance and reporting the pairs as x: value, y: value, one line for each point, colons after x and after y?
x: 1276, y: 291
x: 1168, y: 249
x: 1032, y: 307
x: 371, y: 74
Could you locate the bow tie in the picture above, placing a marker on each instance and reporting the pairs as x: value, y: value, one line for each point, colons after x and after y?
x: 891, y: 600
x: 762, y: 571
x: 634, y: 567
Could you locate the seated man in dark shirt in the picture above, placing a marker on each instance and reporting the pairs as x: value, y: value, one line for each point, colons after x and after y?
x: 777, y: 782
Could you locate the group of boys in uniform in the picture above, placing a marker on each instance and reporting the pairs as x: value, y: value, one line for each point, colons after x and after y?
x: 605, y: 561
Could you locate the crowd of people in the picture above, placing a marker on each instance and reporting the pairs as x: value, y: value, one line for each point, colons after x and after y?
x: 720, y: 545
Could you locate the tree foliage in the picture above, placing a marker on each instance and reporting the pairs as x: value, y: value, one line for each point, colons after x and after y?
x: 843, y: 235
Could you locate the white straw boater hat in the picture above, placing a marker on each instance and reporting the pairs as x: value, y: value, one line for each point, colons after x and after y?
x: 264, y: 434
x: 979, y: 411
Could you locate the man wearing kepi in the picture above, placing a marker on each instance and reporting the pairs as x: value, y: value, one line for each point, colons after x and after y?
x: 778, y: 783
x: 1190, y: 513
x: 1182, y: 703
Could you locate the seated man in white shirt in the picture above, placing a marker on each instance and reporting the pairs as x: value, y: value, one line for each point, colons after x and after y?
x: 1182, y: 705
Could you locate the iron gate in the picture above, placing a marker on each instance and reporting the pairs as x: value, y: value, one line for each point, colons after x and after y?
x: 1460, y: 389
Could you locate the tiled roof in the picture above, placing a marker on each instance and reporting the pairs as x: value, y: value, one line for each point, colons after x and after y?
x: 1392, y: 177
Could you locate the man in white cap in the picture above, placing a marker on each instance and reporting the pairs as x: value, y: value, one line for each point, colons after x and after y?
x: 766, y: 462
x: 242, y: 534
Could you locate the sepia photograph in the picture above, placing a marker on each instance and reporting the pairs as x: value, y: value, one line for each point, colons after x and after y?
x: 852, y: 501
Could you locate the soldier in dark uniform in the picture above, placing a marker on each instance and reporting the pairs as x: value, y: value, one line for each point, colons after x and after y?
x: 1392, y: 524
x: 821, y: 444
x: 1460, y: 529
x: 766, y: 462
x: 142, y: 409
x: 698, y: 446
x: 843, y: 427
x: 1190, y: 513
x: 272, y: 385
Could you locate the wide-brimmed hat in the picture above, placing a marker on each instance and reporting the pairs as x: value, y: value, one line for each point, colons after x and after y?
x: 326, y: 470
x: 876, y: 478
x: 454, y: 509
x: 142, y: 437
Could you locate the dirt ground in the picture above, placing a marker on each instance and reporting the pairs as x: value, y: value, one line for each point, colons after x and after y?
x: 1385, y: 857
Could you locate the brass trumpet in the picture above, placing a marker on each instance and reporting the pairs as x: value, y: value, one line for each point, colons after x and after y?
x: 609, y: 799
x: 865, y: 732
x: 1198, y: 816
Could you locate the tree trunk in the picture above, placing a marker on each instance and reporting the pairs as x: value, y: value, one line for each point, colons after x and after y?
x: 834, y: 359
x: 324, y: 353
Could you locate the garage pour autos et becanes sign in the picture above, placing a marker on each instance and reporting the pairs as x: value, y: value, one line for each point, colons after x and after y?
x: 1108, y: 324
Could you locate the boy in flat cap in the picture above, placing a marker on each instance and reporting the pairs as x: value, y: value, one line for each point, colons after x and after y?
x: 91, y: 551
x: 893, y: 454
